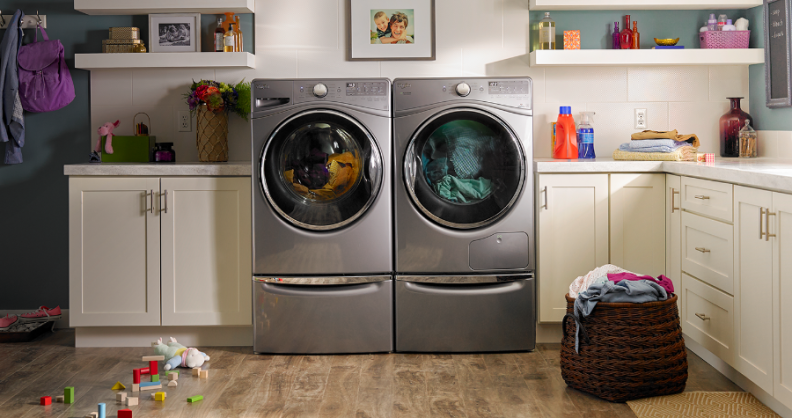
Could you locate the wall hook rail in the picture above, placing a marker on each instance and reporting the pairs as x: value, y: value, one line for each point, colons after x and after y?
x: 28, y: 22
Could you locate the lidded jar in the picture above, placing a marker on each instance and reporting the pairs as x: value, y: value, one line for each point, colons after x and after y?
x: 748, y: 142
x: 164, y: 153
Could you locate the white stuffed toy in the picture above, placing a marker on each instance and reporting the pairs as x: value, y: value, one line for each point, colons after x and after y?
x: 177, y: 355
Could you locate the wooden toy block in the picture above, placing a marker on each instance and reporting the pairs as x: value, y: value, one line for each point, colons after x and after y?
x: 131, y: 401
x: 172, y: 371
x: 159, y: 396
x: 204, y: 374
x: 136, y: 387
x: 145, y: 370
x: 118, y: 386
x: 158, y: 386
x: 173, y: 376
x: 121, y: 397
x: 147, y: 384
x: 153, y: 368
x: 155, y: 378
x: 102, y: 410
x: 135, y: 376
x: 153, y: 358
x: 195, y: 398
x: 59, y: 399
x: 124, y: 413
x: 68, y: 395
x: 46, y: 400
x: 196, y: 371
x: 173, y: 383
x: 153, y: 396
x: 92, y: 415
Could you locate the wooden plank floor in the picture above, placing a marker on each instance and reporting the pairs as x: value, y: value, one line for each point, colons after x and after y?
x: 242, y: 384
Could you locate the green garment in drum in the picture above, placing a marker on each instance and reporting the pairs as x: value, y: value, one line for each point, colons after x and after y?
x: 463, y: 190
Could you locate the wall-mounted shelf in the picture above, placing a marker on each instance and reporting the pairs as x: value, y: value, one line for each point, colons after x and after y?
x: 618, y: 57
x: 144, y: 7
x: 641, y: 4
x: 166, y: 60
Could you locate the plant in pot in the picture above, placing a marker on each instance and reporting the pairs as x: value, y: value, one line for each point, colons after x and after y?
x: 213, y: 102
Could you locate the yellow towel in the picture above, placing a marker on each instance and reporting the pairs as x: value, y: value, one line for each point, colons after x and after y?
x: 680, y: 154
x: 692, y: 138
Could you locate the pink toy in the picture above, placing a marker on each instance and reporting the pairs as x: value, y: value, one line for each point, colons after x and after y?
x: 106, y: 130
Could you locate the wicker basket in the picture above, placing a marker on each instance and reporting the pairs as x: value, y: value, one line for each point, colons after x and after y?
x: 212, y: 135
x: 627, y: 351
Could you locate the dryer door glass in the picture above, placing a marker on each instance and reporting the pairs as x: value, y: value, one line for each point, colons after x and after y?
x: 464, y: 168
x: 321, y: 170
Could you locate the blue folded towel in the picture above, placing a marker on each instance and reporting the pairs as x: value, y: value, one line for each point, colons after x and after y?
x: 653, y: 145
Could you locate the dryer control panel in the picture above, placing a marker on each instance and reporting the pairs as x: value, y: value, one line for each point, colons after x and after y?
x: 365, y: 93
x: 414, y: 93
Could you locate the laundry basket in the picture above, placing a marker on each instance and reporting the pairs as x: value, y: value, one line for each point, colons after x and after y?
x: 627, y: 350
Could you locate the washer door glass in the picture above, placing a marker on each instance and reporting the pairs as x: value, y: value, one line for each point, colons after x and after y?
x: 321, y: 170
x: 464, y: 168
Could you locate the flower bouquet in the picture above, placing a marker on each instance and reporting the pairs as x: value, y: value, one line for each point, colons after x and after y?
x: 214, y: 101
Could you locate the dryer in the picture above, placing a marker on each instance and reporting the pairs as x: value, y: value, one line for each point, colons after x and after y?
x: 464, y: 216
x: 322, y: 216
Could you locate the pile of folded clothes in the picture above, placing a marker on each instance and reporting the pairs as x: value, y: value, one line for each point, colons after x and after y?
x: 659, y: 146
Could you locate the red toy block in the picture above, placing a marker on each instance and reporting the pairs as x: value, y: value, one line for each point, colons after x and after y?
x: 136, y: 376
x: 46, y: 400
x: 153, y: 368
x: 145, y: 370
x: 124, y: 413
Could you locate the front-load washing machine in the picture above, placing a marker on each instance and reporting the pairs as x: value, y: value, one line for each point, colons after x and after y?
x: 463, y: 190
x: 322, y: 216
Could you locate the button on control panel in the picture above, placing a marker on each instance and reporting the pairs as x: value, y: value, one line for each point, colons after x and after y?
x: 372, y: 94
x: 509, y: 87
x: 375, y: 88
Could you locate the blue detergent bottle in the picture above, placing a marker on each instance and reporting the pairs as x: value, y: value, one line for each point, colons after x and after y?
x: 586, y: 136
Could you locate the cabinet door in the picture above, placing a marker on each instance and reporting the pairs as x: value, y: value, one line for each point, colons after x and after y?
x: 114, y: 251
x: 673, y: 240
x: 206, y: 265
x: 753, y: 286
x: 637, y: 222
x: 573, y: 235
x: 782, y: 294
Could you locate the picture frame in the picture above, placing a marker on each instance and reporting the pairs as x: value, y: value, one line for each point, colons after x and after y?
x: 369, y: 34
x: 175, y: 32
x: 778, y: 53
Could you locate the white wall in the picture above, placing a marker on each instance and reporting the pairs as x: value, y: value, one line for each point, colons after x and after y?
x: 307, y: 38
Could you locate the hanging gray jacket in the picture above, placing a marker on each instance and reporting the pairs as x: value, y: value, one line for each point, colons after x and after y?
x: 12, y: 131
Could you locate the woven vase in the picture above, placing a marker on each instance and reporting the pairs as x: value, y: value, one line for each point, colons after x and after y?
x: 212, y: 135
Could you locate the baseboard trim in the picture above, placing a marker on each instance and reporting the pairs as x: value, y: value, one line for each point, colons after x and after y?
x: 738, y: 378
x: 549, y: 333
x: 228, y: 336
x: 63, y: 322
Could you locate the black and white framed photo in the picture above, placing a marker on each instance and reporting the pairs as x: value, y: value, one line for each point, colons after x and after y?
x: 176, y: 32
x: 391, y: 30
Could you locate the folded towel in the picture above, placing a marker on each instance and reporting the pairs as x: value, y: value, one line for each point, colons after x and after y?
x: 687, y: 153
x: 691, y: 138
x: 653, y: 145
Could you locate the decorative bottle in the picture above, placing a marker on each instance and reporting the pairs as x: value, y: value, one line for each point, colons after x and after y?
x: 636, y: 38
x: 218, y: 36
x: 229, y: 39
x: 237, y: 35
x: 625, y: 37
x: 730, y: 125
x: 616, y: 43
x: 547, y: 33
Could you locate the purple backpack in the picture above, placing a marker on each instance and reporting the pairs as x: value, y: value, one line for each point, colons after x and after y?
x: 45, y: 83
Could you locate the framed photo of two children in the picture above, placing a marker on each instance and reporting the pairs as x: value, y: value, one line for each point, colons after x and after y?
x: 391, y: 30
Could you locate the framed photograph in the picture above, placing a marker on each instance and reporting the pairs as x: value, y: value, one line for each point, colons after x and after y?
x: 391, y: 30
x: 177, y: 32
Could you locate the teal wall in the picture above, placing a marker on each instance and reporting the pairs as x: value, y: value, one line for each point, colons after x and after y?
x: 34, y: 195
x: 764, y: 117
x: 596, y: 27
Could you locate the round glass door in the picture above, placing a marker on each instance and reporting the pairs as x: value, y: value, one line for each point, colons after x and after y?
x: 464, y: 168
x: 321, y: 170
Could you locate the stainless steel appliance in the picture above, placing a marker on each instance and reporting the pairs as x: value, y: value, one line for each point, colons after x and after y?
x: 464, y: 214
x: 322, y: 216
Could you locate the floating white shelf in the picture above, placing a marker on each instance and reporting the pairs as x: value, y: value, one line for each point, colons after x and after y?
x: 166, y: 60
x: 144, y: 7
x: 641, y: 4
x: 618, y: 57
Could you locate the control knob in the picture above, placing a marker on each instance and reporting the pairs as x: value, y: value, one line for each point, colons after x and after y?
x: 320, y: 90
x: 463, y: 89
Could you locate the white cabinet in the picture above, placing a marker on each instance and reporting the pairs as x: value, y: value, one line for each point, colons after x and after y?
x: 781, y: 296
x: 637, y: 222
x: 131, y: 237
x: 573, y: 235
x: 708, y: 317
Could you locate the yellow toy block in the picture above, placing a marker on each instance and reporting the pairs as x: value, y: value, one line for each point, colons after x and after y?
x: 159, y: 396
x: 118, y: 386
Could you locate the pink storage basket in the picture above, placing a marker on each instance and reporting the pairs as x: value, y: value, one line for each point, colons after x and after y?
x: 728, y: 39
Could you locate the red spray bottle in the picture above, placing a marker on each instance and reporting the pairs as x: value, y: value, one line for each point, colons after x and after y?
x: 566, y: 135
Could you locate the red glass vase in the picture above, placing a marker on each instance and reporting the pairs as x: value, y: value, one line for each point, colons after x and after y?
x: 626, y: 35
x: 730, y: 125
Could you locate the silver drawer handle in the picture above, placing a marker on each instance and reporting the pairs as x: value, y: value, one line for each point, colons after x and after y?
x: 703, y: 250
x: 703, y: 317
x: 702, y: 197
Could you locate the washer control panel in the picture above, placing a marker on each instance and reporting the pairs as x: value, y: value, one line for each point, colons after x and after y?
x: 366, y: 93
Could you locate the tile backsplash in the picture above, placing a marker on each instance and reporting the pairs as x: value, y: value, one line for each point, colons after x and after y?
x: 690, y: 99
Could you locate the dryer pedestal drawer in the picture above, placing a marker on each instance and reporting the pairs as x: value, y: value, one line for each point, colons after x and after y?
x: 312, y: 317
x: 465, y: 314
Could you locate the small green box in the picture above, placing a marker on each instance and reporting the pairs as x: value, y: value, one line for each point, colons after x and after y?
x: 129, y: 149
x: 68, y: 395
x: 195, y: 398
x: 155, y: 378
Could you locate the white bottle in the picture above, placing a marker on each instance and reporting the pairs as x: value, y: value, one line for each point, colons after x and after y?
x: 728, y: 27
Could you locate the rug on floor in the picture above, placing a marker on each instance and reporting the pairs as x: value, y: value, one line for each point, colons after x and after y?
x: 702, y: 404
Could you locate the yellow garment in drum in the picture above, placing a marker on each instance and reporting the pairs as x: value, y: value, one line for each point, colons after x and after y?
x: 343, y: 169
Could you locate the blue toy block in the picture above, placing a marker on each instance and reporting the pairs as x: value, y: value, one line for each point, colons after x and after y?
x: 102, y: 410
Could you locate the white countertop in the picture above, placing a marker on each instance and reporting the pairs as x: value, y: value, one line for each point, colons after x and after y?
x: 764, y: 173
x: 233, y: 168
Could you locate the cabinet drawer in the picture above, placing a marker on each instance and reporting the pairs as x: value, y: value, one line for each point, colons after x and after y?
x: 708, y: 251
x: 708, y: 317
x: 710, y: 198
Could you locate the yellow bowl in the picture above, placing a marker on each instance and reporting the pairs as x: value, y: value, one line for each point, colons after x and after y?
x: 666, y: 42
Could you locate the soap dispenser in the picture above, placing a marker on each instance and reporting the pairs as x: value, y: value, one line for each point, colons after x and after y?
x: 586, y: 135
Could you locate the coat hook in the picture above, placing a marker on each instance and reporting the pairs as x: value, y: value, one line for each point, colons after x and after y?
x: 38, y: 17
x: 1, y: 17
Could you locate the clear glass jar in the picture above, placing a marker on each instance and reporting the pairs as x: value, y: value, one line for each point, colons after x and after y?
x: 748, y: 142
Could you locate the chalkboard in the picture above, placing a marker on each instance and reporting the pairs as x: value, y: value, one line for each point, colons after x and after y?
x: 778, y: 50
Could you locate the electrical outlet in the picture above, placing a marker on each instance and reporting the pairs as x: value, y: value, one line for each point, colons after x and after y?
x: 183, y: 121
x: 640, y: 119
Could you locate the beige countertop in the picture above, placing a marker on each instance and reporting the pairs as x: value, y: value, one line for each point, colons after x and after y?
x: 233, y: 168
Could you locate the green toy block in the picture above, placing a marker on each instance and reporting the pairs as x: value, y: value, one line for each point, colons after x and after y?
x: 68, y: 394
x: 172, y: 371
x: 155, y: 378
x: 195, y: 398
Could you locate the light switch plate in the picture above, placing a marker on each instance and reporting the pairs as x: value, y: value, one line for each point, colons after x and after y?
x: 640, y: 119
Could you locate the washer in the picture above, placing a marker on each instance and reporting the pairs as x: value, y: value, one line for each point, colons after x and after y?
x: 464, y: 214
x: 322, y: 216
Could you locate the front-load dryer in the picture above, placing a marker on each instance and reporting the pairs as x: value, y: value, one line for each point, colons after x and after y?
x: 463, y: 195
x: 322, y: 216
